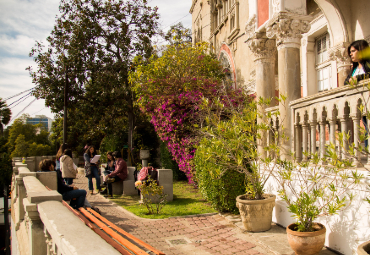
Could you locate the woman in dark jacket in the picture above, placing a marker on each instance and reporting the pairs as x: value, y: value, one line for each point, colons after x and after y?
x: 68, y: 192
x: 91, y: 169
x: 360, y: 67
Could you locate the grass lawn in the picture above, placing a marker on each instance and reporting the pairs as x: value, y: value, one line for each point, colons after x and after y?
x: 186, y: 201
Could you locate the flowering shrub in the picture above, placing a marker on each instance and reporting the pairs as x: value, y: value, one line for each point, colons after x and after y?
x: 173, y: 91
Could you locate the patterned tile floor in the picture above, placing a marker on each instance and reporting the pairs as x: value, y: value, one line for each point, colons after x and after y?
x: 201, y: 235
x: 195, y: 235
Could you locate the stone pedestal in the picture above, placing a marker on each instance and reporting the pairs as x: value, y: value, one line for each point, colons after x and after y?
x: 129, y: 183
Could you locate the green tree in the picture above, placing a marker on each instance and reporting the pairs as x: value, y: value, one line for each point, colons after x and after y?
x: 21, y: 147
x: 32, y: 134
x: 5, y: 115
x: 178, y: 34
x: 91, y: 48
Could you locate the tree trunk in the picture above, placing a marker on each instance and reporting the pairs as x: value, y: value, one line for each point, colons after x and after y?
x: 130, y: 141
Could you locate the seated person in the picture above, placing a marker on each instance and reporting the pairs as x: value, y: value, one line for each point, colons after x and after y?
x: 119, y: 174
x: 111, y: 164
x: 68, y: 192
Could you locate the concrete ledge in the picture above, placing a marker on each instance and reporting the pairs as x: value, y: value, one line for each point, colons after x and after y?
x: 69, y: 233
x: 32, y: 183
x: 38, y: 197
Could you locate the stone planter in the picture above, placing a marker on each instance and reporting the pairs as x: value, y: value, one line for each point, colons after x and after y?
x: 364, y: 249
x: 306, y: 243
x: 256, y: 214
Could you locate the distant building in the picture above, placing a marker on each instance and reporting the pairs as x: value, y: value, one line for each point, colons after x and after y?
x: 40, y: 119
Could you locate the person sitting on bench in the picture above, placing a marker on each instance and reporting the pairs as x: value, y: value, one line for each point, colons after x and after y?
x: 68, y: 192
x: 119, y: 174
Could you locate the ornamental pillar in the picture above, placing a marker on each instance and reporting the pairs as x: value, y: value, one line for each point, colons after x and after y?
x: 356, y: 137
x: 264, y: 52
x: 313, y: 125
x: 344, y: 129
x: 305, y: 141
x: 340, y: 55
x: 287, y: 28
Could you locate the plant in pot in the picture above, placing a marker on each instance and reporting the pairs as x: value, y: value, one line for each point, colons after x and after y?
x: 312, y: 190
x: 229, y: 144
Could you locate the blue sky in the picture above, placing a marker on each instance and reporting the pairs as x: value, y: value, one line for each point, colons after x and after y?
x: 22, y: 22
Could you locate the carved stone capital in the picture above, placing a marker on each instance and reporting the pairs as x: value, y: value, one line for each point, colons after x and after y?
x: 250, y: 27
x: 288, y: 29
x: 340, y: 55
x: 262, y: 48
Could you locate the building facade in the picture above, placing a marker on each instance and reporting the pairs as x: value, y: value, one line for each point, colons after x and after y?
x: 40, y: 119
x: 297, y: 48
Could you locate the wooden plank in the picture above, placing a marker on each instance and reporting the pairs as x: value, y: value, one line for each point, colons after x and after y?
x: 113, y: 234
x: 137, y: 240
x: 103, y: 235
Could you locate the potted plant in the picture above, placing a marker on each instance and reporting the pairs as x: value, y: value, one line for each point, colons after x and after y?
x: 311, y: 191
x: 230, y: 144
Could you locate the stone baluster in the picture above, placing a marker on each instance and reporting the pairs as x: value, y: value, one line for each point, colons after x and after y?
x: 21, y: 194
x: 339, y: 148
x: 271, y: 138
x: 322, y: 141
x: 309, y: 148
x: 332, y: 124
x: 313, y: 125
x: 344, y: 129
x: 37, y: 242
x: 276, y: 135
x: 298, y: 143
x: 264, y: 52
x: 368, y: 142
x: 287, y: 28
x: 305, y: 141
x: 356, y: 136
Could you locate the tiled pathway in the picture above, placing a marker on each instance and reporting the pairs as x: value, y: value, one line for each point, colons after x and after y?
x: 201, y: 235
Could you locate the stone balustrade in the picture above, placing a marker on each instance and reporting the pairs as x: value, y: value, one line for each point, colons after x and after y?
x: 42, y: 225
x: 318, y: 119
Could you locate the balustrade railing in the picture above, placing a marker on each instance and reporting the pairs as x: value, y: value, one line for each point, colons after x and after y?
x: 319, y: 118
x: 42, y: 224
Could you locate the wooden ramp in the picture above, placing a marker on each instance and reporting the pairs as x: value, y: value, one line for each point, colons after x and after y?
x: 122, y: 241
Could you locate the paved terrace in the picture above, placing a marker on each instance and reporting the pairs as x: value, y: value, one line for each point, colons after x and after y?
x: 200, y: 235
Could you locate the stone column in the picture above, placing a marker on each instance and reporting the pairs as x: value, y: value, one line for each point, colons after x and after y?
x: 356, y: 136
x: 264, y: 53
x: 313, y: 125
x: 368, y: 157
x: 37, y: 240
x: 344, y: 129
x: 287, y: 29
x: 298, y: 144
x: 322, y: 141
x: 305, y: 141
x: 340, y: 55
x: 21, y: 192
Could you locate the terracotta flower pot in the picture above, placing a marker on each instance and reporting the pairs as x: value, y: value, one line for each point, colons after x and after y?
x: 256, y: 214
x: 364, y: 249
x: 306, y: 243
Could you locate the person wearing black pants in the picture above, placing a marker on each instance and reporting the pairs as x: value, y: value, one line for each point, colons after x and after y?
x: 119, y: 174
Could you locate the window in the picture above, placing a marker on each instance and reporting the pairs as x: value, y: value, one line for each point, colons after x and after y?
x: 323, y: 66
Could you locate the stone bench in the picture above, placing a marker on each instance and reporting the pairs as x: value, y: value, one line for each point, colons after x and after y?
x: 165, y: 179
x: 127, y: 187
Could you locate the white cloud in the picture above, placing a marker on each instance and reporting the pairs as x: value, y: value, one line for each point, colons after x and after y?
x: 20, y: 45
